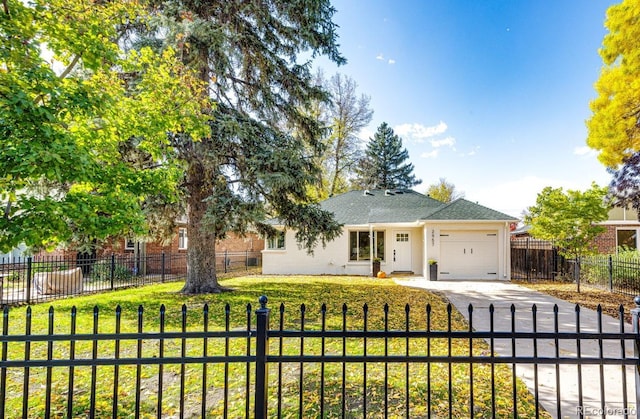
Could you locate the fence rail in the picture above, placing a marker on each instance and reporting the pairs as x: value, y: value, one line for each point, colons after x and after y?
x: 187, y: 367
x: 39, y: 279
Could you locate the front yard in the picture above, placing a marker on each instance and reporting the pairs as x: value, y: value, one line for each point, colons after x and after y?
x: 459, y: 386
x: 588, y: 297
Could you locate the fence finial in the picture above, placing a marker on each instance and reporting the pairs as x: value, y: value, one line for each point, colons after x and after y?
x: 263, y: 301
x: 637, y: 301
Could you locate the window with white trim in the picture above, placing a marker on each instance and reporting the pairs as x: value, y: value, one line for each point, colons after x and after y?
x: 129, y: 244
x: 360, y: 245
x: 276, y: 242
x: 183, y: 239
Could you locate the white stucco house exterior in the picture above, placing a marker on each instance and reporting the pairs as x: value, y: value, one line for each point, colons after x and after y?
x: 405, y: 230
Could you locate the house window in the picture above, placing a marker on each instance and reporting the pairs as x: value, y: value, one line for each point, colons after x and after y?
x: 360, y: 245
x: 276, y: 241
x: 627, y: 239
x: 129, y: 244
x: 402, y: 237
x: 183, y: 240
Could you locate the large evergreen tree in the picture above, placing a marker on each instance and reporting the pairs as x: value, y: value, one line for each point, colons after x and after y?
x: 258, y: 161
x: 383, y: 166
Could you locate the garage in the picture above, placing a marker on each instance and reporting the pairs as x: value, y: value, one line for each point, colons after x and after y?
x: 468, y: 254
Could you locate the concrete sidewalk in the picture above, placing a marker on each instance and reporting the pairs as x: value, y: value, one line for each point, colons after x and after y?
x: 502, y: 294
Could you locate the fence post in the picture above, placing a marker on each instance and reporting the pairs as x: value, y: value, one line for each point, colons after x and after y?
x: 112, y: 273
x: 610, y: 273
x: 527, y: 260
x: 246, y: 260
x: 162, y: 269
x: 262, y: 351
x: 635, y: 313
x: 576, y: 272
x: 225, y: 261
x: 29, y: 279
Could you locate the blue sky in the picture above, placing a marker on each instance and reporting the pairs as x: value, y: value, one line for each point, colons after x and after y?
x: 492, y: 95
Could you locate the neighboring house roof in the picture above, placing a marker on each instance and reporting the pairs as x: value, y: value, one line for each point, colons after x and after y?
x: 522, y: 230
x: 402, y: 206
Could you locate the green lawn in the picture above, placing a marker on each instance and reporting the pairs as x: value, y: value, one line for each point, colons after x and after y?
x: 290, y: 291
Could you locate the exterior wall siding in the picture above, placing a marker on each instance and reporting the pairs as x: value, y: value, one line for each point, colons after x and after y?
x: 334, y: 258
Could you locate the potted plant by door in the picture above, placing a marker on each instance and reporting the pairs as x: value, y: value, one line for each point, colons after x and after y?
x: 376, y: 267
x: 433, y: 270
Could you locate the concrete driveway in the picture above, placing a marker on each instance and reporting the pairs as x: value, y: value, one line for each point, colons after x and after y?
x: 502, y: 294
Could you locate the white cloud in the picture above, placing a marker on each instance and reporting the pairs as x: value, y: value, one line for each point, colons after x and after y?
x: 420, y: 132
x: 473, y: 151
x: 448, y: 141
x: 392, y: 61
x: 429, y: 155
x: 380, y: 57
x: 585, y: 151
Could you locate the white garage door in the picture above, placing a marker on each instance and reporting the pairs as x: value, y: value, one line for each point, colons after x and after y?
x: 468, y: 255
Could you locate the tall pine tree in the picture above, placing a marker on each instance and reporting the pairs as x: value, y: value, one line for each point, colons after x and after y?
x: 258, y: 161
x: 383, y: 166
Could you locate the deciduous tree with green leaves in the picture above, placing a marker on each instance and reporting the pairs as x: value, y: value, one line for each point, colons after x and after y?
x: 258, y: 161
x: 444, y: 191
x: 83, y: 123
x: 570, y: 219
x: 383, y: 166
x: 613, y: 129
x: 346, y: 114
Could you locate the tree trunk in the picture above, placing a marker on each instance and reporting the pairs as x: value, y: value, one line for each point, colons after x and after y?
x: 201, y: 252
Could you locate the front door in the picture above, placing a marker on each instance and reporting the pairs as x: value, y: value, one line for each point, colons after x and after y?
x: 401, y: 251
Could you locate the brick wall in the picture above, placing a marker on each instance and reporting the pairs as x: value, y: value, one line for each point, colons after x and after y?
x: 233, y: 243
x: 605, y: 243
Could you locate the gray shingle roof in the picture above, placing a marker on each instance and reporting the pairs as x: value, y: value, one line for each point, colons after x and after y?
x: 378, y: 206
x: 461, y: 209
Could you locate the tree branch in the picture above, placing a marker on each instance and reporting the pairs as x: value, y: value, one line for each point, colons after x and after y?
x: 7, y: 210
x: 70, y: 67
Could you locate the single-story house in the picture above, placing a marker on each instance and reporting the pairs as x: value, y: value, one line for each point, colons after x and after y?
x: 405, y: 231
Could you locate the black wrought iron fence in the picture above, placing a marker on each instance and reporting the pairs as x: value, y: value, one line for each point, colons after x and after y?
x: 38, y: 279
x: 534, y: 260
x: 616, y: 273
x: 187, y: 366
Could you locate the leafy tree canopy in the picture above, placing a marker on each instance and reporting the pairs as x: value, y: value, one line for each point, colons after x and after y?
x: 568, y: 218
x: 444, y: 191
x: 83, y: 128
x: 614, y: 127
x: 383, y: 166
x: 624, y: 189
x: 344, y: 116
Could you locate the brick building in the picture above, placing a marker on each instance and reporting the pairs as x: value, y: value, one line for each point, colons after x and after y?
x: 622, y: 230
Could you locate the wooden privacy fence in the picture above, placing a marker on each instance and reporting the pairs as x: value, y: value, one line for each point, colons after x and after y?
x: 186, y: 366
